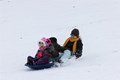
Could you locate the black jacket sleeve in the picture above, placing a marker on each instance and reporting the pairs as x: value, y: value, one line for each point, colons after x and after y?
x: 79, y: 48
x: 79, y: 45
x: 60, y: 48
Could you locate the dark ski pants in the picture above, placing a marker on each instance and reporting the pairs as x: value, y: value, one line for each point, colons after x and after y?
x: 31, y: 60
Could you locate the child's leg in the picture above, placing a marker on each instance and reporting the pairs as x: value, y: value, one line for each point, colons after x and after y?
x: 65, y: 56
x: 30, y: 60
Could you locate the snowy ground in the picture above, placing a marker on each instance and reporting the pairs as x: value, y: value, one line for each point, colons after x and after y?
x: 24, y: 22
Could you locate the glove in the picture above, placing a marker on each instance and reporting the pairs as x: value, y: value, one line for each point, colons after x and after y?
x: 78, y: 55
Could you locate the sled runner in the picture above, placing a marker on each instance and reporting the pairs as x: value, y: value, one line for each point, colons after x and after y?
x: 39, y: 66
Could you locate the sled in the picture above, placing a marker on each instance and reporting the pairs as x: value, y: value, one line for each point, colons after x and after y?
x: 37, y: 67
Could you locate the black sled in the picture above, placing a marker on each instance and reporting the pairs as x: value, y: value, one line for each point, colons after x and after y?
x: 39, y: 66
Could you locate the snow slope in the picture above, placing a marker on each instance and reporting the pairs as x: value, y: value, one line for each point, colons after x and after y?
x: 24, y: 22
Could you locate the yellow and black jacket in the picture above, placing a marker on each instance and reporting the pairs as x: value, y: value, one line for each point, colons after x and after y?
x: 74, y: 45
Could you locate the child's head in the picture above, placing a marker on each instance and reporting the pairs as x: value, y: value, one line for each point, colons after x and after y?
x: 75, y: 33
x: 44, y: 43
x: 53, y: 39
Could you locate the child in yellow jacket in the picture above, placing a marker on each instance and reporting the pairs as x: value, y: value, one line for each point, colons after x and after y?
x: 74, y: 43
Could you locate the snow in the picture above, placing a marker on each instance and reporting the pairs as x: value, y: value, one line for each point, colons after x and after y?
x: 24, y: 22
